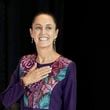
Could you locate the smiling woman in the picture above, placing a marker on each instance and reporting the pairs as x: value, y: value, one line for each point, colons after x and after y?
x: 46, y: 80
x: 44, y: 31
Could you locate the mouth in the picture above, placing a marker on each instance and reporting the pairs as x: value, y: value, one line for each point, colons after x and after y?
x: 43, y: 38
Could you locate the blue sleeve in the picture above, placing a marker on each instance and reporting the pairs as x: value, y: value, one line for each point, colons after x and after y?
x: 14, y: 90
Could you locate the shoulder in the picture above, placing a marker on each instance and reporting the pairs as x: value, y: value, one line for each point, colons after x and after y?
x: 67, y: 65
x: 28, y: 57
x: 67, y: 62
x: 27, y: 61
x: 70, y: 65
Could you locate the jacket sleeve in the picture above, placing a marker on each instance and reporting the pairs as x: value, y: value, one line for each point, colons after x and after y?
x: 14, y: 90
x: 70, y: 88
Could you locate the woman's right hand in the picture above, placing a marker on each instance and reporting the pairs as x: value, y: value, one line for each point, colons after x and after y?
x: 35, y: 75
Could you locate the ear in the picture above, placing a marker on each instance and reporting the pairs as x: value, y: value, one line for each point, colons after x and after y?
x: 56, y: 34
x: 30, y: 30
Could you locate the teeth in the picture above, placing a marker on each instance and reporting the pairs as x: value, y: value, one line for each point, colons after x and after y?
x: 43, y: 38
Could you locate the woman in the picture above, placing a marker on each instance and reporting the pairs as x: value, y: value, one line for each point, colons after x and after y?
x: 46, y: 80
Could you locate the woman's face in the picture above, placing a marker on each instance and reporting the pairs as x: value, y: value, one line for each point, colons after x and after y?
x: 43, y: 31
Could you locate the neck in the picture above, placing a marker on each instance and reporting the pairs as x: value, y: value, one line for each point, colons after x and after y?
x: 46, y: 55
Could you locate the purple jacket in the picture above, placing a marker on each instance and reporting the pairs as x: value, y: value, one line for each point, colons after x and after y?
x: 56, y: 92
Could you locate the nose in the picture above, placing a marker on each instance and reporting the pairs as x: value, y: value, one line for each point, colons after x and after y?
x: 43, y: 31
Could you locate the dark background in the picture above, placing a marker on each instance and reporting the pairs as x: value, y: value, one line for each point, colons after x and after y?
x: 15, y: 41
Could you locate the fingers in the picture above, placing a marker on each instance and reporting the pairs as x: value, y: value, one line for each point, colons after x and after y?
x: 43, y: 72
x: 44, y: 68
x: 33, y: 67
x: 37, y: 74
x: 44, y: 76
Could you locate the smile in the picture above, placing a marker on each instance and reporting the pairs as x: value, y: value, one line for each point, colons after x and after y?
x: 43, y: 38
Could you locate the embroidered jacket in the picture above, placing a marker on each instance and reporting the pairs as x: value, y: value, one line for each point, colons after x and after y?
x: 55, y: 92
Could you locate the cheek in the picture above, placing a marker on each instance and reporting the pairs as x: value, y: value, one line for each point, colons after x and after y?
x: 52, y: 34
x: 36, y: 38
x: 35, y: 34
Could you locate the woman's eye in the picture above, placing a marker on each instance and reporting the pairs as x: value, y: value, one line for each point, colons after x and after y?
x: 48, y: 28
x: 37, y: 28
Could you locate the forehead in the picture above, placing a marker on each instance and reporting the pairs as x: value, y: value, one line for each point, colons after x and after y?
x: 44, y: 19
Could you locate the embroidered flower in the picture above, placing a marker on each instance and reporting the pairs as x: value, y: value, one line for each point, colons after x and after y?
x: 48, y: 87
x: 55, y: 68
x: 61, y: 63
x: 27, y: 62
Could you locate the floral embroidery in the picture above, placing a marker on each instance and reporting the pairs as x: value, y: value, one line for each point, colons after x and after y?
x: 38, y: 94
x: 27, y: 62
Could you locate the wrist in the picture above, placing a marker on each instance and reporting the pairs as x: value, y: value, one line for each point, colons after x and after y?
x: 24, y: 81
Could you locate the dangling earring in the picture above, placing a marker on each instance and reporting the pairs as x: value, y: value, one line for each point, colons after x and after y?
x: 32, y: 40
x: 54, y: 44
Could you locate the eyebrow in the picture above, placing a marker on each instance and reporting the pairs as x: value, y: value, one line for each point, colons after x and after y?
x: 41, y: 25
x: 37, y: 24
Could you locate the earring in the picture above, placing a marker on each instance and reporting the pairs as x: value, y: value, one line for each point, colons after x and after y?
x: 54, y: 44
x: 32, y: 40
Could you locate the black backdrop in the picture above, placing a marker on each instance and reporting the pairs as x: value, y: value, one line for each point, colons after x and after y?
x: 15, y: 16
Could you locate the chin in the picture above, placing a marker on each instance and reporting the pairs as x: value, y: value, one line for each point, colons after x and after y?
x: 44, y: 46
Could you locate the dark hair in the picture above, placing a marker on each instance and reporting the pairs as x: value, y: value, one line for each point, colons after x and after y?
x: 47, y: 13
